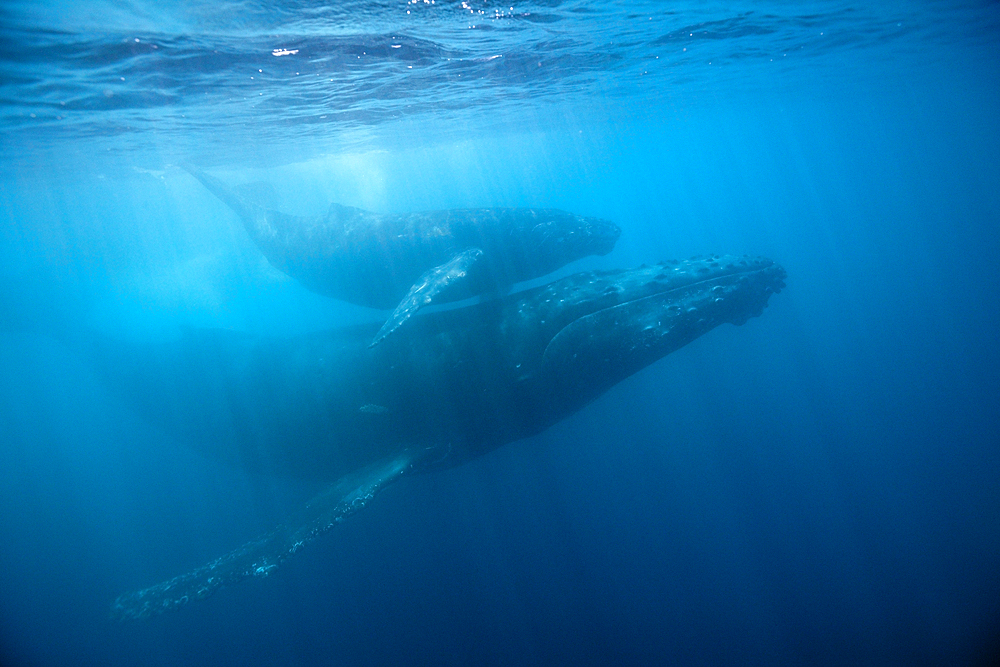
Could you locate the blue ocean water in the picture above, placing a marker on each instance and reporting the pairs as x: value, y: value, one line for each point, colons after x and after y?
x: 817, y: 486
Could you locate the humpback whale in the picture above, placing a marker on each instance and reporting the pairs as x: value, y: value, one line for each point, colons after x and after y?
x: 326, y: 406
x: 409, y: 261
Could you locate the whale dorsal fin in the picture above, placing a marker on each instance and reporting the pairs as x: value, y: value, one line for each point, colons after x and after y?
x: 261, y: 556
x: 428, y: 285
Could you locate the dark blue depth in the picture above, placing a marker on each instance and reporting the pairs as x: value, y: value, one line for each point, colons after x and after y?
x: 818, y: 486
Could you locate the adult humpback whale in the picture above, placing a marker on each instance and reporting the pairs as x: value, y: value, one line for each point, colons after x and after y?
x: 461, y: 383
x: 409, y: 261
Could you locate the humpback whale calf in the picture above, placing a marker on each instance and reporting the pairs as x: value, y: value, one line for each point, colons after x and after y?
x: 326, y: 406
x: 410, y: 261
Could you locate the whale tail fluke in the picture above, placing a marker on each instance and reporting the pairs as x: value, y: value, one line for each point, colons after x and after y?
x: 232, y: 197
x: 253, y: 203
x: 261, y: 556
x: 258, y: 194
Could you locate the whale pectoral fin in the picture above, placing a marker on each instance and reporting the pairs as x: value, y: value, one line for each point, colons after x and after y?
x: 428, y: 286
x: 261, y: 556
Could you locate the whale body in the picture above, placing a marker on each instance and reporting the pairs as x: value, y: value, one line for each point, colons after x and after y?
x: 326, y: 406
x: 408, y: 261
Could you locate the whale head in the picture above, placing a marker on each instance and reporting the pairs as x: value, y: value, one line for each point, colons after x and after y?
x: 557, y: 237
x: 597, y: 328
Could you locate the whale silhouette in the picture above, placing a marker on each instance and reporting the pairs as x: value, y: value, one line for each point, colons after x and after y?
x: 463, y: 382
x: 409, y: 261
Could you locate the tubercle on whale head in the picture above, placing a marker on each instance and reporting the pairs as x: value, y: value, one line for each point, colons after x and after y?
x: 603, y: 326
